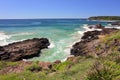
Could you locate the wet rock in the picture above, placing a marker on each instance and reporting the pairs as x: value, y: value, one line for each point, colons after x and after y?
x: 24, y: 49
x: 116, y: 23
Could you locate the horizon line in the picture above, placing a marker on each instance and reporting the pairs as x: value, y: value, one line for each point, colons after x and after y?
x: 42, y: 18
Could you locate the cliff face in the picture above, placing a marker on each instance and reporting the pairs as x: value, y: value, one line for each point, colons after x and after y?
x: 23, y: 50
x: 92, y: 43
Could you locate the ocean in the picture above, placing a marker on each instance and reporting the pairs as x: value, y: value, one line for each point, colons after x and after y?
x: 62, y: 34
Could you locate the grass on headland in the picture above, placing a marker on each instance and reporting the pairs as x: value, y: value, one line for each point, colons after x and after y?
x: 107, y: 67
x: 112, y: 36
x: 77, y: 71
x: 4, y: 64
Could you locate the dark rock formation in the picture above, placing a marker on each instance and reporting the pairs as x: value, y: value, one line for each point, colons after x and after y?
x: 23, y: 50
x: 81, y: 48
x: 89, y: 42
x: 90, y: 35
x: 78, y: 49
x: 116, y: 23
x: 97, y: 26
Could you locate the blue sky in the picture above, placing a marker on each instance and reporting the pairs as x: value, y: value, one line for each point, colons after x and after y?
x: 58, y: 8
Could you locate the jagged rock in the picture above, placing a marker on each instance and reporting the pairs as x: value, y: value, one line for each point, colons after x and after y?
x: 23, y: 49
x: 116, y: 23
x: 90, y: 35
x: 88, y: 42
x: 78, y: 49
x: 97, y: 26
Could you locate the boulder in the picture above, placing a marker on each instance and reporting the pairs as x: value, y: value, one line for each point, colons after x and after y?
x: 23, y: 50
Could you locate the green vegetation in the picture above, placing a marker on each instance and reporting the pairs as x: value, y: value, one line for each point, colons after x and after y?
x: 76, y: 72
x: 104, y: 18
x: 112, y: 36
x: 4, y: 64
x: 106, y: 68
x: 62, y: 66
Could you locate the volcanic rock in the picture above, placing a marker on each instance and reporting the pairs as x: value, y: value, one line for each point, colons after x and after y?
x: 89, y: 41
x: 23, y: 50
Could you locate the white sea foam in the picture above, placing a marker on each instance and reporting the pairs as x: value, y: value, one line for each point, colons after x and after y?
x: 67, y: 49
x: 80, y: 32
x: 90, y: 29
x: 51, y: 45
x: 110, y: 26
x: 3, y: 38
x: 21, y: 34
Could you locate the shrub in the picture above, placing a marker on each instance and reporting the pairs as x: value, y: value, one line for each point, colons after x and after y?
x: 62, y: 66
x: 105, y: 68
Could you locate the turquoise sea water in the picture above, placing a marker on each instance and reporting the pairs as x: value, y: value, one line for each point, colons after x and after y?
x: 62, y: 33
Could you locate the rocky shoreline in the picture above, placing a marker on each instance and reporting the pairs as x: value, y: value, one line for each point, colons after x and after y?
x: 90, y: 41
x: 30, y: 48
x: 23, y: 50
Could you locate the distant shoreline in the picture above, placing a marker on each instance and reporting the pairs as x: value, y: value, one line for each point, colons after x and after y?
x: 105, y: 18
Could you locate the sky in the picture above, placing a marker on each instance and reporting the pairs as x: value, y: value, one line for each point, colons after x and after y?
x: 22, y: 9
